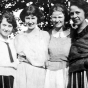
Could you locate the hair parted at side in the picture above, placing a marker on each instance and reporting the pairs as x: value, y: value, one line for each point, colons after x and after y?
x: 62, y: 8
x: 32, y: 10
x: 10, y: 18
x: 82, y: 4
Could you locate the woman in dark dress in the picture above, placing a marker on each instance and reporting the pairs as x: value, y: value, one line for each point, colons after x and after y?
x: 78, y: 56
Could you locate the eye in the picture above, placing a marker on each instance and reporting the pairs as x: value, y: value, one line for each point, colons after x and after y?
x: 59, y: 17
x: 4, y: 24
x: 33, y: 18
x: 71, y: 13
x: 10, y: 26
x: 77, y: 12
x: 27, y: 18
x: 53, y: 17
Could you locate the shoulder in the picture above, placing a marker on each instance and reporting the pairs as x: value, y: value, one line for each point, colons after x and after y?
x: 19, y: 36
x: 45, y: 34
x: 67, y: 32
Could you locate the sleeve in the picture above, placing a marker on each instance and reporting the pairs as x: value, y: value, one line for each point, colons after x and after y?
x: 19, y: 44
x: 47, y: 38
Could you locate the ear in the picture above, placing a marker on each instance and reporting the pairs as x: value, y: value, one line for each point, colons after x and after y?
x: 51, y: 19
x: 12, y: 31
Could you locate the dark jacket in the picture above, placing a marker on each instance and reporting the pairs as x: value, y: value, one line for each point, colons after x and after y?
x: 78, y: 56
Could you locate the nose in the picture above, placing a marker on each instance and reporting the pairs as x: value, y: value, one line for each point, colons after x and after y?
x: 30, y: 21
x: 6, y: 28
x: 74, y: 15
x: 57, y: 19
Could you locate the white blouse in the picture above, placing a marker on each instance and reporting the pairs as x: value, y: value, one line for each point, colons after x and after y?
x: 6, y: 66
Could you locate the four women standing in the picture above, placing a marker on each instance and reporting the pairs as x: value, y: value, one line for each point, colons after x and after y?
x: 37, y: 50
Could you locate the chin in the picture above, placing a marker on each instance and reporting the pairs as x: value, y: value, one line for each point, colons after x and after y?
x: 58, y: 26
x: 31, y: 28
x: 5, y: 37
x: 77, y: 23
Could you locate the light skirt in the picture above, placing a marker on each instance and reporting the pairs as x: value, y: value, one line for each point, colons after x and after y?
x: 78, y: 79
x: 56, y: 79
x: 29, y: 76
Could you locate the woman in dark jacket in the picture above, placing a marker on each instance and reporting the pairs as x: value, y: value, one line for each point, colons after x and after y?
x: 78, y: 56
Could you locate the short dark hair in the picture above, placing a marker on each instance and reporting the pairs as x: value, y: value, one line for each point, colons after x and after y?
x: 10, y: 19
x: 80, y: 4
x: 62, y: 8
x: 31, y: 10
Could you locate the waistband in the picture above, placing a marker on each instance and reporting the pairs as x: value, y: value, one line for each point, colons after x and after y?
x: 34, y: 65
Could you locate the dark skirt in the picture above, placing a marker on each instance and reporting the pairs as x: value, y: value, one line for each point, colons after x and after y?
x: 6, y: 81
x: 78, y: 79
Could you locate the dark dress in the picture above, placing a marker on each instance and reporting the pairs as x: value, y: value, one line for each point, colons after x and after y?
x: 78, y: 60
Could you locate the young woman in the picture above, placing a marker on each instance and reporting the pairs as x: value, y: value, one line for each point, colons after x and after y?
x: 78, y: 57
x: 32, y: 49
x: 8, y: 60
x: 59, y: 46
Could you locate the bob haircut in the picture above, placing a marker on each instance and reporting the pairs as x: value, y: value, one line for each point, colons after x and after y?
x: 10, y: 19
x: 31, y: 10
x: 80, y: 4
x: 62, y: 8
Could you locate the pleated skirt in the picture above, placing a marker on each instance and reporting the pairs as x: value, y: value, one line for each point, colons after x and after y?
x: 78, y: 79
x: 6, y: 81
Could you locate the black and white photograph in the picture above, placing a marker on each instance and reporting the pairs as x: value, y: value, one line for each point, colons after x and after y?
x: 43, y: 43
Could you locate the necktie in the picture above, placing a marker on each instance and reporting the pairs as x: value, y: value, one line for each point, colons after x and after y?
x: 9, y: 50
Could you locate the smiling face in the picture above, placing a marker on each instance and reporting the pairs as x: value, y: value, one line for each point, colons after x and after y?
x: 57, y: 19
x: 77, y: 15
x: 31, y: 21
x: 5, y: 28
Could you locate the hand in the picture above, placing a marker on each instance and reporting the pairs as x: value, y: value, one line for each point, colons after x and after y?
x: 22, y: 58
x: 14, y: 65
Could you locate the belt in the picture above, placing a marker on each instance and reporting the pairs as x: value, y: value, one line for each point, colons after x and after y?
x: 34, y: 65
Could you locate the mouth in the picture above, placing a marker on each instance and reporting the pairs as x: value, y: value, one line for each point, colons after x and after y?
x: 6, y: 31
x: 57, y: 23
x: 30, y: 24
x: 75, y: 20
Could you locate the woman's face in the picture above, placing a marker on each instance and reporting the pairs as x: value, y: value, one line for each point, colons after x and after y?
x: 77, y: 15
x: 31, y: 21
x: 57, y: 19
x: 5, y: 28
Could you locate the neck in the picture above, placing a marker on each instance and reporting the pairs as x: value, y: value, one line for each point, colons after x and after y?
x: 33, y: 31
x: 82, y: 26
x: 29, y: 30
x: 58, y: 29
x: 3, y: 37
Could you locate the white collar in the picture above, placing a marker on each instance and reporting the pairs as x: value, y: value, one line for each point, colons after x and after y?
x: 61, y: 34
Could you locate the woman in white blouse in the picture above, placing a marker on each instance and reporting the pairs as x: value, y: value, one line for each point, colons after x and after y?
x: 32, y: 49
x: 7, y: 51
